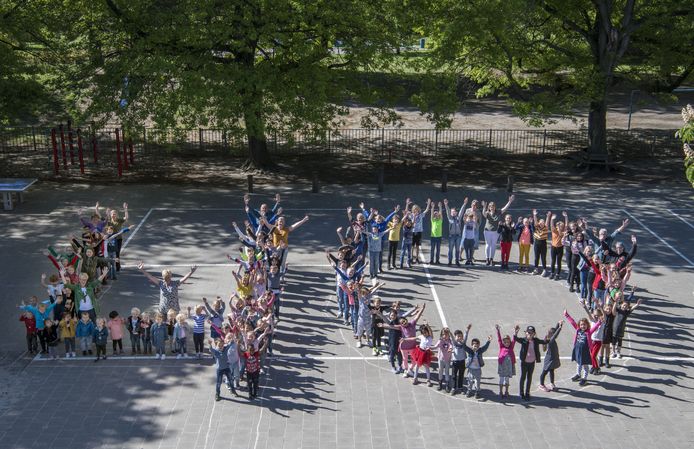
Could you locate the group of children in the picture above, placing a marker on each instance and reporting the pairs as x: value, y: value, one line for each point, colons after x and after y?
x: 598, y: 269
x: 240, y: 335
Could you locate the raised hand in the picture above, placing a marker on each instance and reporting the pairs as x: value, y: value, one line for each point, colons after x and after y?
x: 633, y: 239
x: 339, y: 230
x: 140, y: 265
x: 349, y: 209
x: 246, y: 199
x: 445, y: 201
x: 125, y: 206
x: 564, y: 214
x: 469, y: 326
x: 534, y: 211
x: 489, y: 338
x: 497, y: 327
x: 361, y: 205
x: 277, y: 197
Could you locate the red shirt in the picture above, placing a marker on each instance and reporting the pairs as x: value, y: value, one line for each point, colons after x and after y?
x: 252, y: 361
x: 30, y: 324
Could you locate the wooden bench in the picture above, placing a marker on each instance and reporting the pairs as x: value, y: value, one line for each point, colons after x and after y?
x: 14, y: 186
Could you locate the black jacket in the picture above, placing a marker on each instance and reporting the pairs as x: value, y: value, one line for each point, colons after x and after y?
x: 524, y: 347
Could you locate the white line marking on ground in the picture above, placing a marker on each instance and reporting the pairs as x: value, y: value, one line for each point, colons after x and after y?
x: 290, y: 358
x: 430, y: 281
x: 187, y: 265
x: 209, y: 424
x: 137, y: 228
x: 240, y: 209
x: 680, y: 217
x: 658, y: 237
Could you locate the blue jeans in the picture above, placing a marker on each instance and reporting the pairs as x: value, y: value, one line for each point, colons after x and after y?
x: 220, y: 375
x: 406, y: 248
x: 453, y: 248
x: 342, y: 303
x: 583, y: 274
x: 435, y: 243
x: 469, y: 245
x: 354, y: 310
x: 374, y: 260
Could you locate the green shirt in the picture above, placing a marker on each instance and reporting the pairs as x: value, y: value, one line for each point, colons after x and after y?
x: 436, y: 227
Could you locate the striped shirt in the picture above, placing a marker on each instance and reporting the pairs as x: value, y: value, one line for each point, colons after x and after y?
x: 199, y: 324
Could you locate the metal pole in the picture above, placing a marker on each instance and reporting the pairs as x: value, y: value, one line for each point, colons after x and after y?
x: 132, y: 155
x: 120, y: 164
x: 631, y: 106
x: 126, y: 165
x: 56, y: 163
x: 80, y: 155
x: 62, y: 146
x: 72, y: 146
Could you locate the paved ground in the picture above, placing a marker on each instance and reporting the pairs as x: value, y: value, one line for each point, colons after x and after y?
x: 321, y: 391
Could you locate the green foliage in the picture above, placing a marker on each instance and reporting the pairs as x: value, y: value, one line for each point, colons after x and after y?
x: 550, y: 56
x: 686, y: 133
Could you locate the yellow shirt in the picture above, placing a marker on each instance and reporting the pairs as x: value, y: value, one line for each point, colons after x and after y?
x: 280, y: 235
x: 394, y: 234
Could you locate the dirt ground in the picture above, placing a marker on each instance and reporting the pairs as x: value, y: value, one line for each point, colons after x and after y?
x: 486, y: 113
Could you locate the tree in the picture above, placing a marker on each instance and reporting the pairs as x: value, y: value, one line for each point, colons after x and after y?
x: 549, y: 56
x: 686, y: 133
x: 251, y: 66
x: 27, y: 92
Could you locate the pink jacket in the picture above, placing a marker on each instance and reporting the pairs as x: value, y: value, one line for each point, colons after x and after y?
x: 504, y: 351
x: 115, y: 327
x: 589, y: 331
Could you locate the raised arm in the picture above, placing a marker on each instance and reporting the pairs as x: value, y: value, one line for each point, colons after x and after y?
x: 126, y: 216
x: 298, y: 223
x: 554, y: 336
x: 625, y: 223
x: 448, y: 210
x: 190, y: 273
x: 508, y: 204
x: 462, y: 209
x: 152, y: 279
x: 570, y: 320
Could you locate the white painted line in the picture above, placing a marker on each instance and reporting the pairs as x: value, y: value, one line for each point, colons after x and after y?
x: 289, y: 358
x: 430, y: 281
x: 161, y: 265
x: 659, y: 237
x: 680, y: 217
x: 137, y: 228
x: 241, y: 209
x: 687, y: 209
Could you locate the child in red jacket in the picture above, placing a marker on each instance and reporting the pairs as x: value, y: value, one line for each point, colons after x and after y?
x: 30, y: 323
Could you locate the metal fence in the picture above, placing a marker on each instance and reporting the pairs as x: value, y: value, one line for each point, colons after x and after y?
x: 30, y: 151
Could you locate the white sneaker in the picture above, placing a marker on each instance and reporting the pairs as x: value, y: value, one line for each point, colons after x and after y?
x: 619, y: 355
x: 158, y: 356
x: 163, y: 356
x: 405, y: 374
x: 186, y: 356
x: 358, y: 343
x: 67, y: 355
x: 73, y: 355
x: 179, y: 357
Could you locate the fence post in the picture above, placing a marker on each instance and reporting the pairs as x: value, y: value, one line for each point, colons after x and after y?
x: 132, y: 155
x: 315, y: 186
x: 70, y: 142
x: 94, y: 149
x: 56, y: 163
x: 275, y: 134
x: 144, y: 139
x: 200, y: 138
x: 80, y: 155
x: 62, y: 146
x: 330, y: 151
x: 120, y: 166
x: 544, y: 141
x: 224, y: 139
x: 33, y: 136
x: 126, y: 165
x: 436, y: 143
x: 489, y: 146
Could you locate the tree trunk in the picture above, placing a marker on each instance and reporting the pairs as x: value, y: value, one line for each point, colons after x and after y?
x: 258, y: 155
x: 597, y: 130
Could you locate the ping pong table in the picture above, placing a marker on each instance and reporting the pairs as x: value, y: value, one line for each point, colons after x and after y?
x: 14, y: 186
